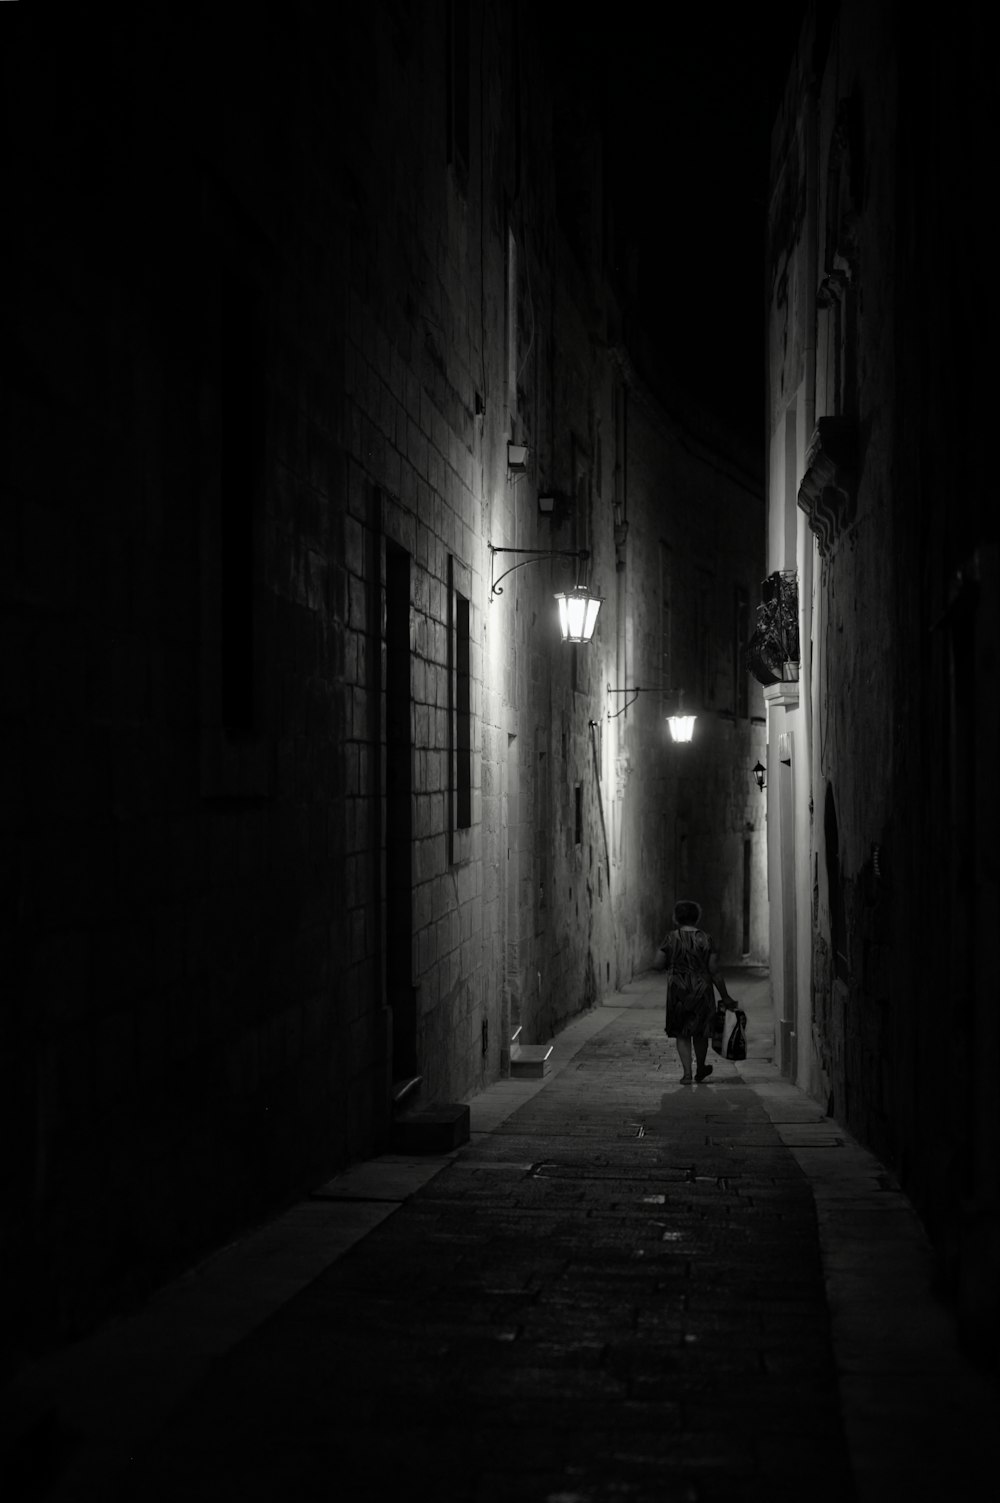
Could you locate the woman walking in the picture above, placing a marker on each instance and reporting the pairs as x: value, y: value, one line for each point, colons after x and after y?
x: 692, y: 980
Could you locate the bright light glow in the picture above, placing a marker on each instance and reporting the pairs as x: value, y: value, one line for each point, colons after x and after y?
x: 681, y: 726
x: 578, y: 615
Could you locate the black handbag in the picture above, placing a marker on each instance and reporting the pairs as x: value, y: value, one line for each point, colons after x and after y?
x: 736, y: 1047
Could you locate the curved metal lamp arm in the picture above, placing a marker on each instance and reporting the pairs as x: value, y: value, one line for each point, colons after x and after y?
x: 635, y: 691
x: 536, y: 556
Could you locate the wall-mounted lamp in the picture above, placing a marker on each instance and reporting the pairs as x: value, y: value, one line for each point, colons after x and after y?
x: 578, y: 614
x: 759, y: 774
x: 517, y: 460
x: 681, y: 725
x: 635, y: 692
x: 578, y: 608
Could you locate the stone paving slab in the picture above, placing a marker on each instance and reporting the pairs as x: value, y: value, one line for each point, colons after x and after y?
x: 567, y: 1310
x: 620, y: 1289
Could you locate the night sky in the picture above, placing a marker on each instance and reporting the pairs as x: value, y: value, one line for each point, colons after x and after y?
x: 688, y: 95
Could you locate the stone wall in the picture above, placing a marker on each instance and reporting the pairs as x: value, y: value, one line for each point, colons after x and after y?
x: 296, y: 811
x: 878, y: 281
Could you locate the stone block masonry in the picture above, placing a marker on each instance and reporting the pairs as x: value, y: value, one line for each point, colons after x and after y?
x: 293, y: 801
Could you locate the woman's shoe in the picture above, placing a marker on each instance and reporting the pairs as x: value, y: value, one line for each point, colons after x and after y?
x: 686, y: 1080
x: 703, y: 1073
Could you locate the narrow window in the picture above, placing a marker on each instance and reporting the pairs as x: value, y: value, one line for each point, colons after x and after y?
x: 459, y: 680
x: 463, y: 716
x: 578, y: 814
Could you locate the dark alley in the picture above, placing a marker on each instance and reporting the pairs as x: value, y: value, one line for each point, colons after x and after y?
x: 495, y: 499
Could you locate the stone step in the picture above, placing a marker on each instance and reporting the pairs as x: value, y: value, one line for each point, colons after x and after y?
x: 438, y: 1128
x: 531, y: 1061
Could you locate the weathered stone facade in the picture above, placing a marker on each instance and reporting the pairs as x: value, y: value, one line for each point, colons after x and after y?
x: 883, y: 820
x: 296, y: 811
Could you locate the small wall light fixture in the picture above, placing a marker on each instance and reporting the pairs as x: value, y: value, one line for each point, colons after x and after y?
x: 578, y: 608
x: 759, y: 774
x: 681, y: 724
x: 635, y: 692
x: 517, y: 459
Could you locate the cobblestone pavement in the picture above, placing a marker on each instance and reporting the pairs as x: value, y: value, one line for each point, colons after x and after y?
x: 618, y: 1292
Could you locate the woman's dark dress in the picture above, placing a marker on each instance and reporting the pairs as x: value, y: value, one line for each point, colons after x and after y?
x: 690, y: 992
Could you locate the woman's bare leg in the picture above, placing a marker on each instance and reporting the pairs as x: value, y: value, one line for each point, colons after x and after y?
x: 684, y: 1055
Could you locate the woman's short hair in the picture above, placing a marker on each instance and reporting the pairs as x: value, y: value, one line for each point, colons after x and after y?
x: 687, y: 912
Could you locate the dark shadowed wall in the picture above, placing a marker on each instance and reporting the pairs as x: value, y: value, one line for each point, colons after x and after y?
x: 886, y: 819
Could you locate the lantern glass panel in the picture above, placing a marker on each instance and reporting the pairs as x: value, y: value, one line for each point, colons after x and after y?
x: 578, y: 616
x: 681, y: 726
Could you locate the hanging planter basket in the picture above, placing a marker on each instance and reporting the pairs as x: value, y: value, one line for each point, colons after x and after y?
x: 773, y: 649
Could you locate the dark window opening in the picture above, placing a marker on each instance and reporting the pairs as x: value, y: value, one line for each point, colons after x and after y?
x: 578, y: 814
x: 463, y: 715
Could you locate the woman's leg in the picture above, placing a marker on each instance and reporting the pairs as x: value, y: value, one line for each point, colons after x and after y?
x: 684, y: 1055
x: 700, y: 1052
